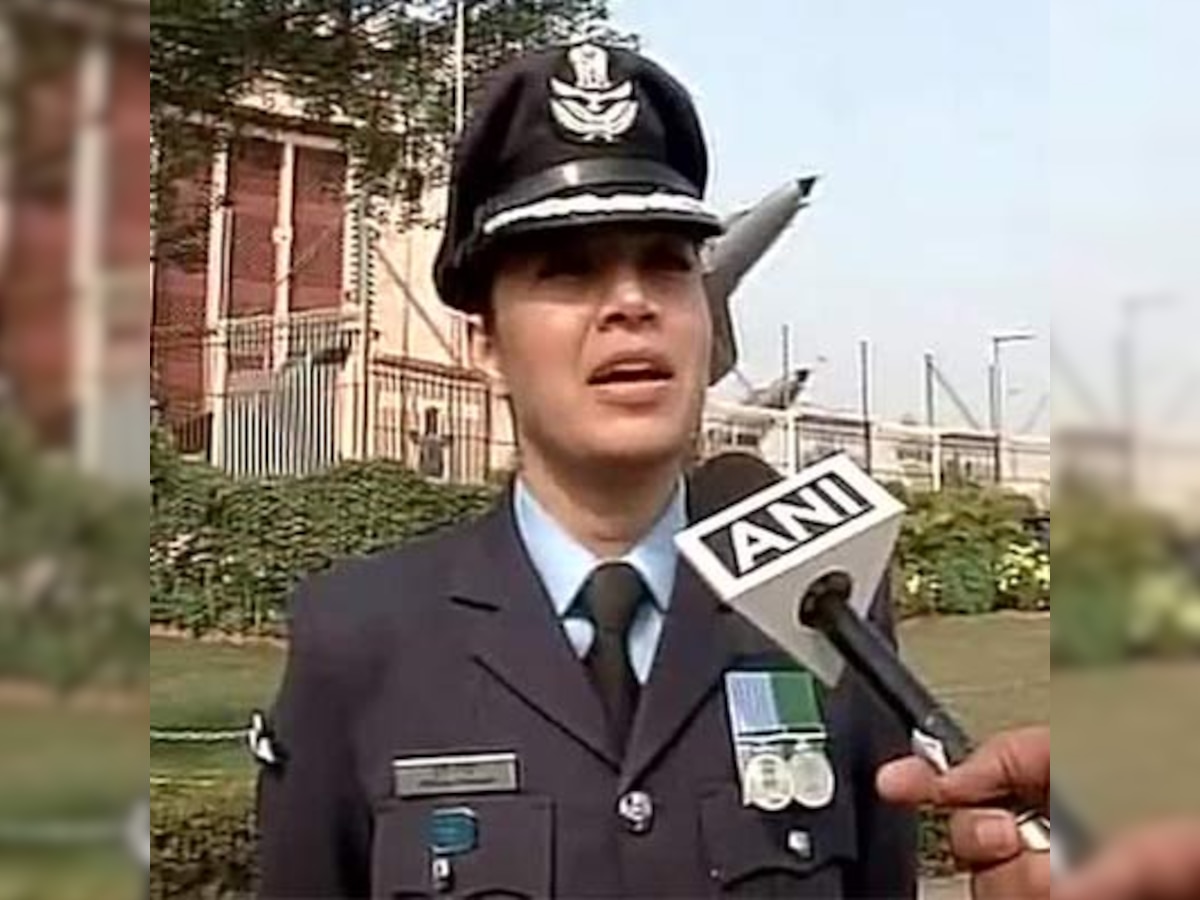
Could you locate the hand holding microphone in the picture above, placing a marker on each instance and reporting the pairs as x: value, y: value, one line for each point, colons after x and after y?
x: 1158, y: 862
x: 801, y: 558
x: 1013, y: 764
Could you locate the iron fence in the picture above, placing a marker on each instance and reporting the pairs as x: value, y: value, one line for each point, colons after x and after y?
x: 271, y: 398
x: 435, y: 420
x: 918, y: 457
x: 259, y: 397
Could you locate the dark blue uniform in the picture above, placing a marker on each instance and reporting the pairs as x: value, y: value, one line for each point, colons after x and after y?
x: 450, y: 647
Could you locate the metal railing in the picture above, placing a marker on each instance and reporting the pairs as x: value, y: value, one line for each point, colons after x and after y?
x: 260, y: 397
x: 284, y: 406
x: 292, y: 398
x: 434, y: 420
x: 919, y: 457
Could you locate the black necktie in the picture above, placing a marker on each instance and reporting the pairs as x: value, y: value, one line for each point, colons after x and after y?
x: 611, y: 595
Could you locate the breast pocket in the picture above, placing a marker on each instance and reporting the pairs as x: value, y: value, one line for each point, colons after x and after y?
x: 511, y: 855
x: 791, y: 853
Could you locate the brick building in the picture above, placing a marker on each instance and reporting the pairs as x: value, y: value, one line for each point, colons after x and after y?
x: 306, y: 332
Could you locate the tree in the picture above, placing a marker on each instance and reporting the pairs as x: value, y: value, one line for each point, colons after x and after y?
x: 378, y: 73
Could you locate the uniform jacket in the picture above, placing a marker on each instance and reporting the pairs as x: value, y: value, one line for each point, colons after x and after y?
x: 449, y: 646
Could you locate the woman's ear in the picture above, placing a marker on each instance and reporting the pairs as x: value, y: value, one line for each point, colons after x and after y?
x: 485, y: 355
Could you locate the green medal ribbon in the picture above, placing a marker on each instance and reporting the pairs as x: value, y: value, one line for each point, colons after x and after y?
x: 774, y: 704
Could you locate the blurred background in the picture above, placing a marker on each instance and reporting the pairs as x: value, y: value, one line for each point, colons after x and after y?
x: 74, y: 425
x: 219, y: 342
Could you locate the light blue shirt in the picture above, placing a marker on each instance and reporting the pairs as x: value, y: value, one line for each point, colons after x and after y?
x: 564, y: 565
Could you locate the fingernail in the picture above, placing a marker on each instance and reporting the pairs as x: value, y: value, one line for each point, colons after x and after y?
x: 996, y: 833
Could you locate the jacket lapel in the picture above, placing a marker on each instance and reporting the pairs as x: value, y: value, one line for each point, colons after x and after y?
x: 516, y: 636
x: 697, y: 647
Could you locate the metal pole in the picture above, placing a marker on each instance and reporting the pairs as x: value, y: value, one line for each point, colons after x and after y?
x: 935, y: 439
x: 996, y: 379
x: 786, y: 355
x: 930, y: 378
x: 366, y: 304
x: 864, y: 353
x: 793, y: 431
x: 460, y: 53
x: 996, y: 411
x: 793, y: 439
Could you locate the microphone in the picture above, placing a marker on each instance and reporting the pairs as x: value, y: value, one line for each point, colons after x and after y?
x: 801, y: 558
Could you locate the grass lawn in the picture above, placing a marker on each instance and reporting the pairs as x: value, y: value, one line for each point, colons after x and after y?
x: 993, y: 671
x: 197, y: 685
x: 1125, y: 740
x: 202, y: 685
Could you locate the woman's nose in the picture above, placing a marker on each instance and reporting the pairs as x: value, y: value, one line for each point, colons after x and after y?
x: 628, y: 298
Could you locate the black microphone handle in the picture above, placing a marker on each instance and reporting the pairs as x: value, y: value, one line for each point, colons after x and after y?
x: 825, y: 608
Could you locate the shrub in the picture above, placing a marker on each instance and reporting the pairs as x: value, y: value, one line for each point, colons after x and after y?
x: 936, y: 859
x: 226, y: 554
x: 1023, y: 576
x: 1091, y: 622
x: 966, y: 550
x: 968, y: 585
x: 203, y: 843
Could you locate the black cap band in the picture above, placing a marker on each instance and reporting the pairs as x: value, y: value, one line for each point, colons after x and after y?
x: 606, y: 174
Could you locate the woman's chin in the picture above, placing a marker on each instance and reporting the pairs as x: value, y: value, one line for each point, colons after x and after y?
x: 635, y: 450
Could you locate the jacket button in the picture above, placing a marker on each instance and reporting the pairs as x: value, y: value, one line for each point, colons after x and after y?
x: 636, y: 809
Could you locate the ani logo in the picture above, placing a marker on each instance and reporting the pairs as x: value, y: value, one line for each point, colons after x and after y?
x: 593, y: 109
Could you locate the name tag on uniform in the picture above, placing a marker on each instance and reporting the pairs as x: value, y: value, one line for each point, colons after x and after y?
x: 475, y: 773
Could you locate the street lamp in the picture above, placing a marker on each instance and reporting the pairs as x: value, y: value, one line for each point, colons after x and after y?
x: 996, y: 391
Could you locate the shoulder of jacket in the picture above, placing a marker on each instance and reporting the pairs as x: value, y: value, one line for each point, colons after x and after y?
x: 367, y: 591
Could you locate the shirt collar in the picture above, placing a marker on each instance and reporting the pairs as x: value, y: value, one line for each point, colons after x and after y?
x: 564, y: 564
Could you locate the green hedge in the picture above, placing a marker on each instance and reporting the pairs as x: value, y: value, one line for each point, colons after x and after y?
x: 968, y: 550
x: 203, y: 843
x: 225, y: 554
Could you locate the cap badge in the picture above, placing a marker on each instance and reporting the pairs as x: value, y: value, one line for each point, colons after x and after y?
x: 592, y: 109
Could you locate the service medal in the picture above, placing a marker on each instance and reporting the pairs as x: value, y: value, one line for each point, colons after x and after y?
x: 813, y: 781
x: 767, y: 782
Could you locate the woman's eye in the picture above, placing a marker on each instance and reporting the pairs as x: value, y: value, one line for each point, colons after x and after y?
x: 669, y: 258
x: 564, y: 264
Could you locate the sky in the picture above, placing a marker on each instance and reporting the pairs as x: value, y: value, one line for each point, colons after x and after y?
x: 984, y: 168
